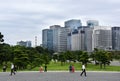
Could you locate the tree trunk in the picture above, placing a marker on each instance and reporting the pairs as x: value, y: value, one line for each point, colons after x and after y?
x: 100, y: 65
x: 104, y: 65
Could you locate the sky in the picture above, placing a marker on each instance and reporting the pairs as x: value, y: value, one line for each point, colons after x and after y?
x: 25, y: 19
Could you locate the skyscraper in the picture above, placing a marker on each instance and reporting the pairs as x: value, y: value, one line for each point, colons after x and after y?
x: 102, y: 38
x: 73, y: 24
x: 92, y: 23
x: 75, y: 43
x: 88, y: 32
x: 69, y: 41
x: 47, y: 39
x: 116, y: 38
x: 78, y: 39
x: 55, y: 38
x: 59, y: 38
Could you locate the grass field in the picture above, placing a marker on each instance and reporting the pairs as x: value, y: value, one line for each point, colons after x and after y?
x: 65, y: 67
x: 90, y: 67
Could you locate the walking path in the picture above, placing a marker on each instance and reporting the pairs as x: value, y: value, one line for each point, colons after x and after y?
x: 60, y: 76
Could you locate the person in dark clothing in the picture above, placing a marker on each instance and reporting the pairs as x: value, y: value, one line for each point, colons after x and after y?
x: 45, y: 68
x: 4, y: 68
x: 15, y: 68
x: 70, y: 68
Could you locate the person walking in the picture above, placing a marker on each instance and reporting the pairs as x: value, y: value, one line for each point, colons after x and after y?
x: 83, y: 70
x: 4, y: 68
x: 15, y: 68
x: 70, y: 68
x: 12, y: 69
x: 73, y: 69
x: 45, y: 68
x: 41, y: 69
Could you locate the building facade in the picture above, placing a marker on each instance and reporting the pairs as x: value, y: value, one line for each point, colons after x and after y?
x: 25, y: 43
x: 102, y: 38
x: 59, y: 38
x: 88, y: 31
x: 71, y: 27
x: 92, y: 23
x: 75, y: 37
x: 72, y: 24
x: 116, y: 38
x: 55, y: 38
x: 75, y: 41
x: 47, y: 39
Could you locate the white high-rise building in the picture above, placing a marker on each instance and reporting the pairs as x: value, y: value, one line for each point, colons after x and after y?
x: 101, y: 38
x: 78, y: 39
x: 59, y: 38
x: 75, y: 43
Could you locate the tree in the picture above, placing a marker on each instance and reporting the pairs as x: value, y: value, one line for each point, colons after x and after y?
x: 1, y: 38
x: 5, y: 53
x: 46, y: 58
x: 116, y: 55
x: 1, y: 47
x: 70, y: 56
x: 62, y: 58
x: 20, y: 59
x: 102, y: 57
x: 84, y: 58
x: 55, y: 57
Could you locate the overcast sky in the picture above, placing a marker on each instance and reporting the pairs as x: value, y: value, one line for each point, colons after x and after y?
x: 25, y: 19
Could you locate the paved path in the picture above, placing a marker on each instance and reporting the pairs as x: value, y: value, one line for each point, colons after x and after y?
x: 60, y: 76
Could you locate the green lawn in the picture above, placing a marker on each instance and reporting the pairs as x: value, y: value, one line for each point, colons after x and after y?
x: 65, y: 67
x: 90, y: 67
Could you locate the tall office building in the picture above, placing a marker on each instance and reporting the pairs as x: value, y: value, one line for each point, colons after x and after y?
x: 24, y: 43
x: 55, y: 38
x: 77, y: 39
x: 47, y: 39
x: 73, y: 24
x: 69, y: 41
x: 116, y: 38
x: 80, y: 39
x: 75, y: 43
x: 92, y: 23
x: 88, y: 32
x: 59, y: 38
x: 102, y: 38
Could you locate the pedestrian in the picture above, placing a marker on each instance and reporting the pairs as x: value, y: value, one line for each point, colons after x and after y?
x: 70, y: 68
x: 12, y: 69
x: 41, y: 69
x: 4, y: 68
x: 15, y: 68
x: 83, y: 70
x: 45, y: 68
x: 73, y: 69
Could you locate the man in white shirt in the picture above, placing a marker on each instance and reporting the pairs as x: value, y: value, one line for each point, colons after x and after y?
x: 83, y: 70
x: 12, y: 69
